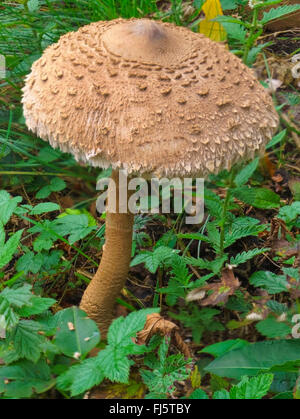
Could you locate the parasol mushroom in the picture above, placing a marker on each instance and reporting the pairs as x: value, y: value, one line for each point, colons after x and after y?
x: 150, y: 98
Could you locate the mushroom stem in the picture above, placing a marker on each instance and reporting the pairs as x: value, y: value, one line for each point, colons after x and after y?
x: 99, y: 297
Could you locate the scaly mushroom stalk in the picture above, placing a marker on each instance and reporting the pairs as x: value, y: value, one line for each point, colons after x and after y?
x: 99, y: 298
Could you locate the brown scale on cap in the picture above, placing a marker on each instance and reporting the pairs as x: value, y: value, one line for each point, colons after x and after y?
x: 151, y: 98
x: 148, y: 64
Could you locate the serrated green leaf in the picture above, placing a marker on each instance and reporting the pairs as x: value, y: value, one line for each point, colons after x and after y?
x: 244, y: 175
x: 221, y: 395
x: 235, y: 31
x: 115, y: 364
x: 279, y: 12
x: 7, y: 206
x: 17, y: 297
x: 33, y: 5
x: 164, y: 374
x: 276, y: 307
x: 44, y: 207
x: 241, y: 227
x: 9, y: 248
x: 271, y: 328
x: 82, y: 377
x: 252, y: 388
x: 75, y: 226
x: 257, y: 197
x: 276, y: 139
x: 269, y: 281
x: 38, y: 306
x: 289, y: 213
x: 199, y: 394
x: 123, y: 329
x: 27, y: 341
x: 29, y: 262
x: 24, y: 378
x: 153, y: 260
x: 244, y: 256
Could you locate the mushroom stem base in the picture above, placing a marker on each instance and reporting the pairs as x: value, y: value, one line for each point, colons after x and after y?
x: 99, y: 297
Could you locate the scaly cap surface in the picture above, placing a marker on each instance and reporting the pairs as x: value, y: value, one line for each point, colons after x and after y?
x: 148, y: 97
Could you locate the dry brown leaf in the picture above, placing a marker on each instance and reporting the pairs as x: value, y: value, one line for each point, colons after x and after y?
x: 157, y: 325
x: 221, y: 290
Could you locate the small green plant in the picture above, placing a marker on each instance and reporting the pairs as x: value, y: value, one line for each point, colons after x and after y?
x: 243, y: 34
x: 164, y: 371
x: 41, y: 350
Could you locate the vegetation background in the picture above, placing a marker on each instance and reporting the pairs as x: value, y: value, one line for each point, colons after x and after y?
x: 227, y: 291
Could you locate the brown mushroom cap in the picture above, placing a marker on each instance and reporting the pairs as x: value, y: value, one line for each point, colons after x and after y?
x: 149, y: 97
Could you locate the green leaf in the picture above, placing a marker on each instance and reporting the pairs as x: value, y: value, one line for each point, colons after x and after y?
x: 211, y: 265
x: 244, y: 175
x: 24, y: 378
x: 38, y: 306
x: 44, y: 207
x: 7, y: 206
x: 276, y: 307
x: 153, y: 260
x: 244, y: 256
x: 276, y: 139
x: 271, y: 328
x: 279, y: 12
x: 255, y: 358
x: 82, y: 377
x: 242, y: 227
x: 257, y: 197
x: 224, y: 19
x: 8, y: 250
x: 221, y: 395
x: 199, y: 395
x: 229, y: 4
x: 57, y: 184
x: 219, y: 349
x: 44, y: 192
x: 166, y: 370
x: 76, y: 226
x: 123, y: 329
x: 289, y: 213
x: 235, y: 31
x: 17, y: 297
x: 29, y: 262
x: 269, y: 281
x: 252, y: 388
x: 9, y: 318
x: 27, y: 341
x: 115, y: 364
x: 253, y: 53
x: 33, y: 5
x: 76, y: 334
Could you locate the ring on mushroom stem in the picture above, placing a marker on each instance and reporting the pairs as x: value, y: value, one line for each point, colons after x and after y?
x: 150, y: 98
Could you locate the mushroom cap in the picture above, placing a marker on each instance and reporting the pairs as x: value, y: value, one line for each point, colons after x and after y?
x: 148, y: 97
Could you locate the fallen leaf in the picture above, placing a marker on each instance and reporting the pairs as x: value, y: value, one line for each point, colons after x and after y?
x: 220, y: 291
x: 157, y: 325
